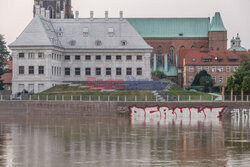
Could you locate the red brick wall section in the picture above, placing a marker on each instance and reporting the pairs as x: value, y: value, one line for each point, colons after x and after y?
x: 218, y: 40
x: 166, y: 43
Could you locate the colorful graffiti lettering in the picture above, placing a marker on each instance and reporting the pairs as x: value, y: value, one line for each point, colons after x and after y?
x: 165, y: 112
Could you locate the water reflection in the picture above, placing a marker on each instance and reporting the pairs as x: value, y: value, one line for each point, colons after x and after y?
x: 87, y: 141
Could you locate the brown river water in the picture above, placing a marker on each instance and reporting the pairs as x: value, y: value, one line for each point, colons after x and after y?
x: 74, y: 141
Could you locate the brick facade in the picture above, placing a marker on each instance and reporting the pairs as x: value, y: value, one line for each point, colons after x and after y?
x: 217, y: 40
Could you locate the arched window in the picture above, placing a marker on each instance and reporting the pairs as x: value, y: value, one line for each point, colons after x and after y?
x: 50, y: 12
x: 182, y: 47
x: 193, y: 47
x: 202, y: 47
x: 159, y: 55
x: 171, y: 55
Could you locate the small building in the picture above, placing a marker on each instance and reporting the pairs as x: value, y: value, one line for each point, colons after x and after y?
x: 219, y: 64
x: 57, y: 51
x: 7, y: 77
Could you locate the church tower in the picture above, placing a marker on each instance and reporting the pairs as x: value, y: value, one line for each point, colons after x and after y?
x: 55, y: 7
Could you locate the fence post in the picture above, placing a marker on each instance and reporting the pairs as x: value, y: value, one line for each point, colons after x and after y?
x: 71, y: 98
x: 89, y: 98
x: 135, y: 98
x: 167, y: 98
x: 37, y: 97
x: 125, y: 98
x: 235, y: 98
x: 212, y: 97
x: 108, y: 98
x: 146, y: 98
x: 47, y: 98
x: 118, y: 98
x: 62, y: 97
x: 189, y: 98
x: 178, y: 98
x: 29, y: 97
x: 56, y: 98
x: 99, y: 98
x: 200, y: 97
x: 247, y: 98
x: 80, y: 98
x: 1, y: 97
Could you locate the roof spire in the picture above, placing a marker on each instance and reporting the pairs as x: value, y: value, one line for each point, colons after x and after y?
x: 217, y: 23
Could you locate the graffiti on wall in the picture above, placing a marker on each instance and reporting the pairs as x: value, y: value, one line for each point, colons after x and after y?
x: 166, y: 113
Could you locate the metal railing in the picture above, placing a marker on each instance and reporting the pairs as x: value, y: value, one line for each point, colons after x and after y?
x: 121, y: 98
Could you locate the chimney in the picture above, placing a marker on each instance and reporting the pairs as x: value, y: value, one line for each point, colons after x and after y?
x: 43, y: 12
x: 62, y: 15
x: 91, y: 15
x: 47, y: 14
x: 38, y: 12
x: 77, y: 15
x: 106, y: 15
x: 121, y: 15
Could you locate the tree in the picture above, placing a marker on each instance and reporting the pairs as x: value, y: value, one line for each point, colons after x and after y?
x: 4, y: 53
x: 203, y: 79
x: 241, y: 78
x: 159, y: 74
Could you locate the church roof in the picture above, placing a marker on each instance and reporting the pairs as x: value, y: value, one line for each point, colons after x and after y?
x: 69, y: 34
x: 217, y: 23
x: 171, y: 27
x: 237, y: 48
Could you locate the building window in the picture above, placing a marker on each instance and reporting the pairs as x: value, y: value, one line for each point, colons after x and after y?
x: 41, y: 70
x: 171, y: 55
x: 182, y: 47
x: 220, y: 69
x: 118, y: 57
x: 87, y: 57
x: 235, y: 69
x: 40, y: 55
x: 191, y: 69
x: 194, y: 60
x: 129, y: 71
x: 67, y: 57
x: 221, y: 79
x: 213, y: 69
x: 108, y: 71
x: 77, y: 71
x: 191, y: 79
x: 118, y: 71
x: 21, y: 69
x: 98, y: 57
x: 139, y: 57
x: 206, y: 60
x: 108, y: 57
x: 77, y: 57
x: 67, y: 71
x: 98, y: 71
x: 139, y: 71
x: 228, y: 69
x: 21, y: 55
x: 31, y: 55
x: 192, y: 47
x: 207, y: 69
x: 98, y: 43
x: 199, y: 68
x: 87, y: 71
x: 31, y: 69
x: 129, y: 57
x: 124, y: 43
x: 214, y: 78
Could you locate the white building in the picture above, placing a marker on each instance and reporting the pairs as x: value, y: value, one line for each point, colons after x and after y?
x: 55, y: 51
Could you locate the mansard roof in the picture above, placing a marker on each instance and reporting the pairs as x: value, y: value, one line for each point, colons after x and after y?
x: 70, y: 34
x: 217, y: 23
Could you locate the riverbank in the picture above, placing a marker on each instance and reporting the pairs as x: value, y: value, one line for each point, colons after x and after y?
x: 101, y: 108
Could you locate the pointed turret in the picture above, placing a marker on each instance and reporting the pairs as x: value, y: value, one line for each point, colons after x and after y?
x: 217, y: 23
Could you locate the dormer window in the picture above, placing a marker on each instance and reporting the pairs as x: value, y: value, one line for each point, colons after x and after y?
x: 85, y: 32
x: 60, y: 32
x: 98, y: 43
x: 124, y: 43
x: 111, y: 31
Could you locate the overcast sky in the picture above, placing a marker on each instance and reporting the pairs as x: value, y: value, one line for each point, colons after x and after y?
x: 16, y: 14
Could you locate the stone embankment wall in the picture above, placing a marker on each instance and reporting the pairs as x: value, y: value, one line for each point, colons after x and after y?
x: 101, y: 108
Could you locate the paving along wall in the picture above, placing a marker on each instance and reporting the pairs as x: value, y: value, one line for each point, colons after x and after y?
x: 103, y: 108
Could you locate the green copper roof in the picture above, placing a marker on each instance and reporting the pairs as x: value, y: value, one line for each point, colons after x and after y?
x: 237, y: 38
x: 171, y: 27
x: 172, y: 70
x: 217, y: 23
x: 237, y: 48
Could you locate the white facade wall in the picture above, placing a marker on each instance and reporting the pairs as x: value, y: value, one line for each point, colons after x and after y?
x: 54, y: 60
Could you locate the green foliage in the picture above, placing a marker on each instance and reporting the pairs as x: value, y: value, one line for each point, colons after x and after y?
x: 241, y: 78
x: 203, y: 79
x: 3, y: 58
x: 159, y: 74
